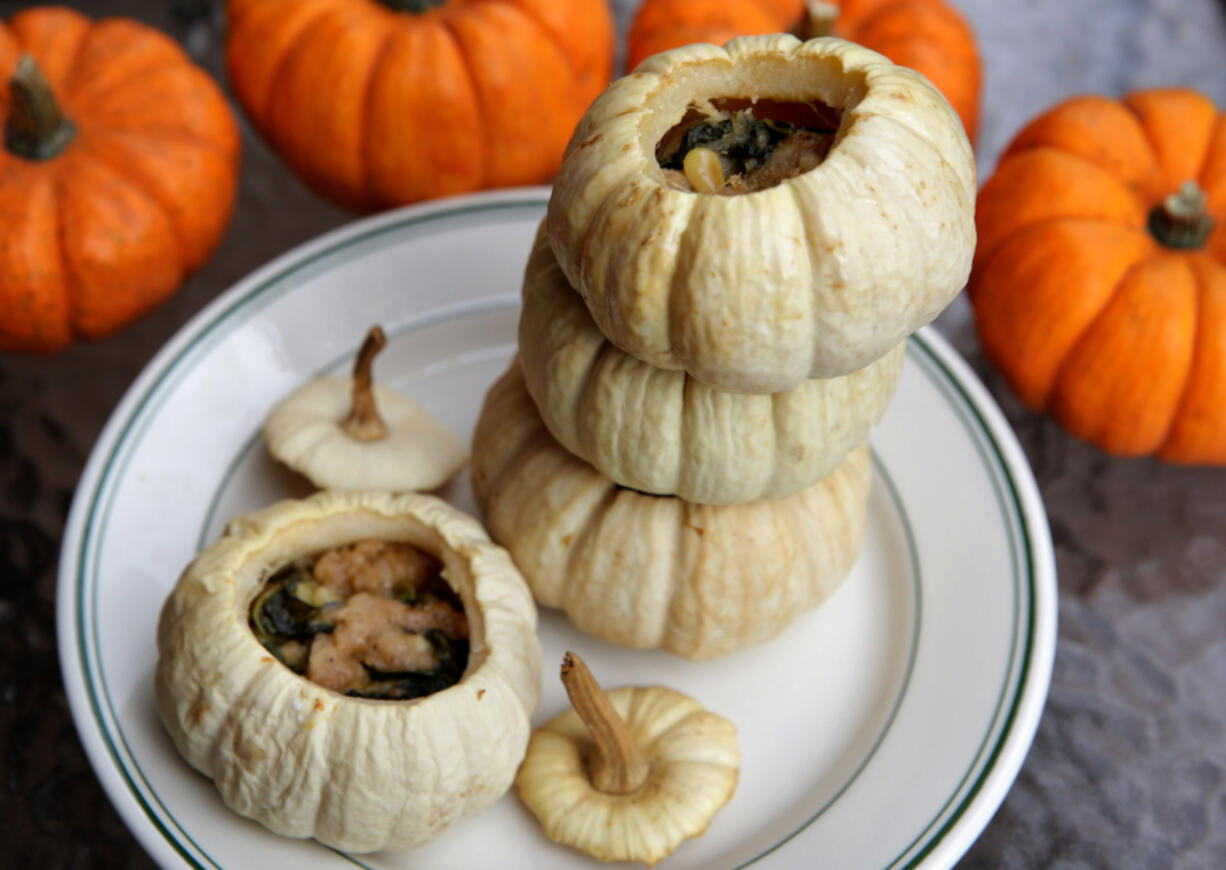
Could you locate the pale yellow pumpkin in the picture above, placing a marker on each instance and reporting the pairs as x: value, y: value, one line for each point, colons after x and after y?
x: 350, y: 433
x: 304, y: 761
x: 628, y: 775
x: 813, y: 277
x: 661, y: 431
x: 646, y: 571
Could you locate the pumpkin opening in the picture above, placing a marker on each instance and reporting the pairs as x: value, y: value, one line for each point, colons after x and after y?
x: 372, y: 619
x: 1181, y: 221
x: 736, y: 145
x: 36, y: 128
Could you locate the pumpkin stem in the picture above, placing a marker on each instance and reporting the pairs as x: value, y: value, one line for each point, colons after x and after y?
x: 414, y: 6
x: 819, y: 19
x: 618, y: 766
x: 363, y: 422
x: 1180, y: 221
x: 36, y: 129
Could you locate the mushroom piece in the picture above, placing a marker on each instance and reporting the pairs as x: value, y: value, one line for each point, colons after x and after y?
x: 352, y: 434
x: 628, y: 775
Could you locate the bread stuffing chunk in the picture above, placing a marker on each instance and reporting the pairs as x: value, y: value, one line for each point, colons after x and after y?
x: 373, y: 619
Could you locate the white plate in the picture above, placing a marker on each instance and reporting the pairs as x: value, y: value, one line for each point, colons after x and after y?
x: 881, y: 730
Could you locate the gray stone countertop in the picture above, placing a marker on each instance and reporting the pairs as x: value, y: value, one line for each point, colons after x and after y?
x: 1128, y: 769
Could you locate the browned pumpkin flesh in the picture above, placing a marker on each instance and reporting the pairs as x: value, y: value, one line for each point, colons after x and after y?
x: 758, y: 144
x: 373, y: 619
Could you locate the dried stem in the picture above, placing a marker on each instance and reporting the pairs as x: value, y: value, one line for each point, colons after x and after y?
x: 819, y: 19
x: 1181, y: 221
x: 363, y: 422
x: 618, y: 765
x: 36, y: 129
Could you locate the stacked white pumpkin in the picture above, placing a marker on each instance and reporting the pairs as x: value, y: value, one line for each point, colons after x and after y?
x: 677, y: 459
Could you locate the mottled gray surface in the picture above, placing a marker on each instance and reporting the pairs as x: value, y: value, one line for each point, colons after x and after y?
x: 1129, y: 766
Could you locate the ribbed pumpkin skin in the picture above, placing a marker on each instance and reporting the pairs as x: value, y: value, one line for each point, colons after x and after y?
x: 644, y: 571
x: 930, y: 36
x: 814, y: 277
x: 374, y: 108
x: 660, y: 431
x: 1087, y: 314
x: 106, y: 230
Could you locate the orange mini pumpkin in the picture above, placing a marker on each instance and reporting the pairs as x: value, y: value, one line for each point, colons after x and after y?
x: 930, y: 36
x: 1099, y: 284
x: 117, y: 174
x: 383, y: 102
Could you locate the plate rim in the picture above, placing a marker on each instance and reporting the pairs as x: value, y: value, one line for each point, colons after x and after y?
x: 942, y: 848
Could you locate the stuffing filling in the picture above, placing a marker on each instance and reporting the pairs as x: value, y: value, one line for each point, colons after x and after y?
x: 374, y: 619
x: 739, y: 146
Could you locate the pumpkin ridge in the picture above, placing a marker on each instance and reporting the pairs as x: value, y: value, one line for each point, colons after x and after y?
x: 1155, y: 155
x: 1195, y: 436
x: 554, y: 39
x: 1182, y: 408
x: 991, y: 191
x: 124, y: 172
x: 777, y: 411
x: 1148, y: 106
x: 1071, y: 348
x: 1178, y: 409
x: 176, y: 135
x: 689, y: 241
x: 137, y: 76
x: 1105, y: 426
x: 260, y: 103
x: 687, y: 432
x: 482, y: 133
x: 72, y: 283
x: 39, y: 324
x: 989, y: 329
x: 815, y: 314
x: 369, y: 141
x: 585, y: 390
x: 526, y: 450
x: 681, y: 560
x: 985, y: 264
x: 66, y: 24
x: 595, y: 518
x: 277, y: 79
x: 973, y: 191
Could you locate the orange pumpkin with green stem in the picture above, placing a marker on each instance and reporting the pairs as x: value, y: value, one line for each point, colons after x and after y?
x: 118, y: 173
x: 930, y: 36
x: 381, y: 102
x: 1099, y: 284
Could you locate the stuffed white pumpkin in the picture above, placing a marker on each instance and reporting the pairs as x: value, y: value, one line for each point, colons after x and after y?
x: 661, y: 431
x: 646, y: 571
x: 306, y: 761
x: 809, y: 269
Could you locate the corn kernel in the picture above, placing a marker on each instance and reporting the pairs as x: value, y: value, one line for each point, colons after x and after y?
x: 703, y: 170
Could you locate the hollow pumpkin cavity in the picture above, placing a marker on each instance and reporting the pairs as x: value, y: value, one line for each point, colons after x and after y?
x: 734, y: 145
x: 373, y: 619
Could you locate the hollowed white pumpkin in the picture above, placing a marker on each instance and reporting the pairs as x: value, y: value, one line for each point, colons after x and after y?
x: 661, y: 431
x: 304, y: 761
x: 646, y: 571
x: 814, y: 277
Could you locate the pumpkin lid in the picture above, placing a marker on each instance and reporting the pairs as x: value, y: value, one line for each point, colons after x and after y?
x: 352, y: 434
x: 630, y: 775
